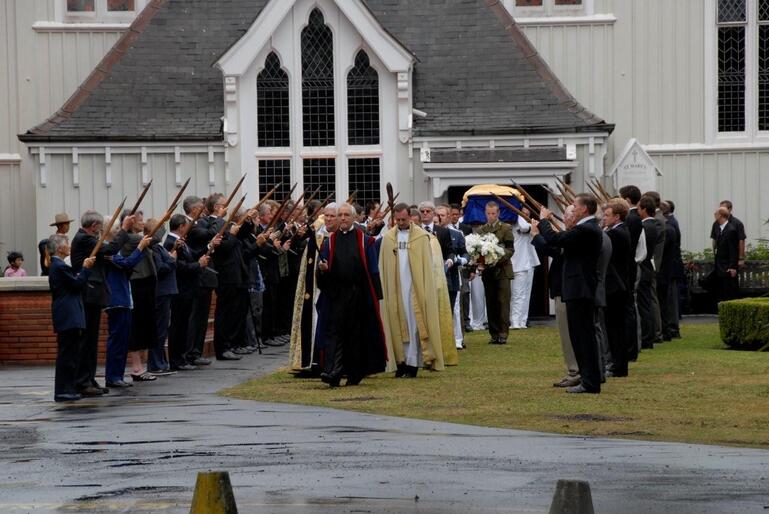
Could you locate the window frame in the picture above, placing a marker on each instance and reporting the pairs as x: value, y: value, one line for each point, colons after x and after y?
x: 751, y: 134
x: 99, y: 15
x: 344, y: 61
x: 550, y: 9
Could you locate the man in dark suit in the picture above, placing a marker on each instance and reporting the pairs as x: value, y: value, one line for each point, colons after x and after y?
x: 466, y: 273
x: 737, y: 225
x: 231, y: 294
x: 554, y: 284
x: 187, y: 270
x: 165, y: 290
x: 631, y: 194
x: 496, y: 278
x: 96, y: 295
x: 458, y: 262
x: 202, y: 236
x: 659, y: 249
x: 667, y: 278
x: 427, y: 214
x: 68, y: 315
x: 581, y: 249
x: 618, y: 285
x: 727, y: 255
x: 647, y: 273
x: 268, y: 256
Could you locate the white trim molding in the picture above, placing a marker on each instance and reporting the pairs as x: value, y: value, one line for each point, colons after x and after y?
x: 10, y: 158
x: 593, y: 19
x: 690, y: 148
x: 55, y: 26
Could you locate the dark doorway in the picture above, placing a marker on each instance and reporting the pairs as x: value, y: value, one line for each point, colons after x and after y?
x: 539, y: 305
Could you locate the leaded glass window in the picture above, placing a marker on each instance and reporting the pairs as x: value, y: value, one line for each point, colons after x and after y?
x: 318, y: 82
x: 763, y: 65
x: 731, y: 65
x: 273, y: 172
x: 763, y: 77
x: 363, y: 102
x: 763, y: 10
x: 364, y: 178
x: 730, y: 11
x: 272, y: 113
x: 320, y: 173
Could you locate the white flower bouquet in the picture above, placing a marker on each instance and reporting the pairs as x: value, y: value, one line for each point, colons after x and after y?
x: 484, y: 249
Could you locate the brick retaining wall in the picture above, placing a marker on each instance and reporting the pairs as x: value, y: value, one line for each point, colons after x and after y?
x: 26, y: 331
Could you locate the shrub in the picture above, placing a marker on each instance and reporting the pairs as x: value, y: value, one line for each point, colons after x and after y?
x: 744, y: 323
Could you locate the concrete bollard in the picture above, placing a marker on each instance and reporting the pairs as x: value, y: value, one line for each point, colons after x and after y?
x: 572, y: 497
x: 213, y: 494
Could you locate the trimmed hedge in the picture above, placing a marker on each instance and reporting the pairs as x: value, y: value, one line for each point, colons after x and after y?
x: 744, y: 323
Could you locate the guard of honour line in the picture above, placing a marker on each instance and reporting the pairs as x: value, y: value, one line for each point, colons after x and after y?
x: 359, y: 290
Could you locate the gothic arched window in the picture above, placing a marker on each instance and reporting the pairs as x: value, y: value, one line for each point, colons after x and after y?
x: 363, y: 102
x: 318, y: 82
x: 272, y: 113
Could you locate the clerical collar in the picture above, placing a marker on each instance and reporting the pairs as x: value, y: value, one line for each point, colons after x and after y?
x: 585, y: 220
x: 346, y: 231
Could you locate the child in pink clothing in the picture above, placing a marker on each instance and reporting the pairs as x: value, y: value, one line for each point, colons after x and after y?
x: 15, y: 260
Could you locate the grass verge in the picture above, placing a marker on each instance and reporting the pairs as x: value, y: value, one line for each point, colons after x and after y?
x: 691, y: 390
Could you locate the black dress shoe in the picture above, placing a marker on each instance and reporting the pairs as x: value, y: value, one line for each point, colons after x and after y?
x: 66, y: 397
x: 411, y: 371
x: 401, y: 371
x: 118, y: 384
x: 353, y: 381
x: 92, y: 391
x: 331, y: 380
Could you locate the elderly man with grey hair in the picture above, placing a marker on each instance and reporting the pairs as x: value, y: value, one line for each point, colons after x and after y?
x: 96, y: 296
x: 68, y: 315
x: 427, y: 218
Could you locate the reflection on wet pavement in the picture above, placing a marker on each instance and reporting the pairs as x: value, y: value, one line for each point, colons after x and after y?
x: 139, y: 451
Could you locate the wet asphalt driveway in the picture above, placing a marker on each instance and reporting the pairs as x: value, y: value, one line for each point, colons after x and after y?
x: 140, y: 452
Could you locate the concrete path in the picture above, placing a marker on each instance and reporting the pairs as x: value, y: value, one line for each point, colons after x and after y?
x: 140, y: 452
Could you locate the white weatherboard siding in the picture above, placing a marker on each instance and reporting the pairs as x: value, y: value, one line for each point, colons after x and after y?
x: 38, y: 72
x: 645, y: 72
x: 60, y: 193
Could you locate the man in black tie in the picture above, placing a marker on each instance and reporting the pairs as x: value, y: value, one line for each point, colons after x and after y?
x: 727, y: 255
x: 647, y: 273
x: 618, y: 285
x: 581, y: 249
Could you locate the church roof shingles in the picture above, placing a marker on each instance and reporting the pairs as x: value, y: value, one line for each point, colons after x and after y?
x: 475, y: 74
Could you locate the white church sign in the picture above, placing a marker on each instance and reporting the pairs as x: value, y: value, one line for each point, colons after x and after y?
x: 635, y: 167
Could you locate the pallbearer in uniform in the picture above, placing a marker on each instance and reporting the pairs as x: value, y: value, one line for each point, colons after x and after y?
x: 411, y: 309
x: 496, y: 278
x: 349, y: 276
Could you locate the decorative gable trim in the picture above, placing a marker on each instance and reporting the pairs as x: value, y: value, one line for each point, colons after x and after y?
x: 241, y: 55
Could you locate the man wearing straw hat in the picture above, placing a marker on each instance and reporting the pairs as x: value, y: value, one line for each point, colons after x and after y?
x: 61, y: 221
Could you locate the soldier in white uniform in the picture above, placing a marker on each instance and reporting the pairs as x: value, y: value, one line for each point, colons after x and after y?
x: 524, y: 260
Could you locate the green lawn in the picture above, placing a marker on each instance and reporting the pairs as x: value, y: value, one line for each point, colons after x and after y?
x: 690, y: 390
